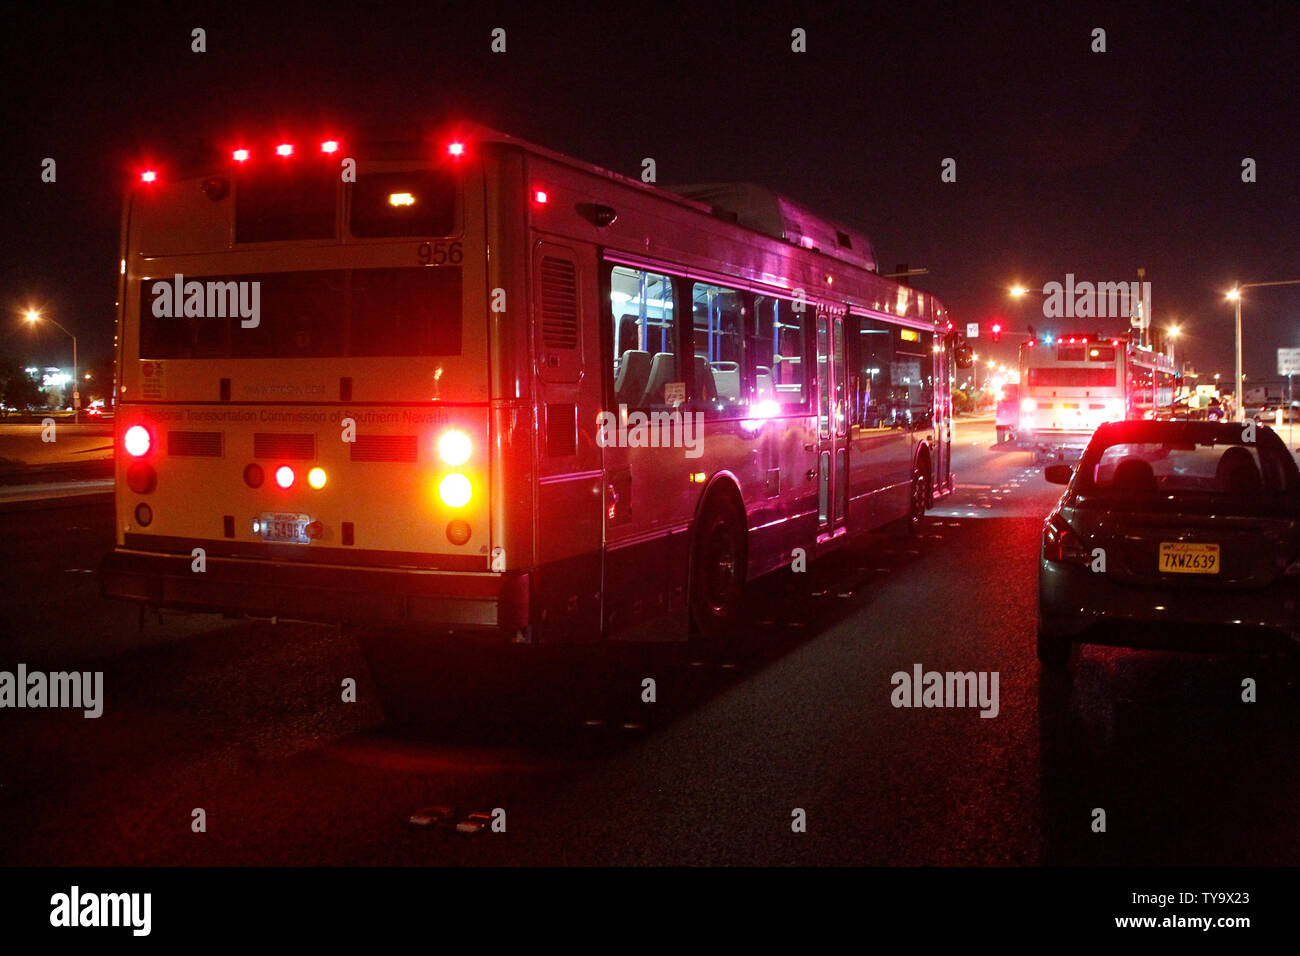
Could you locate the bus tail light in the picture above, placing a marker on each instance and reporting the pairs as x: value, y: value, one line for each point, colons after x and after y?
x: 143, y: 515
x: 316, y: 478
x: 458, y: 532
x: 1060, y: 541
x: 141, y: 477
x: 1028, y: 405
x: 454, y: 447
x: 254, y: 476
x: 137, y: 441
x: 284, y: 476
x: 455, y: 490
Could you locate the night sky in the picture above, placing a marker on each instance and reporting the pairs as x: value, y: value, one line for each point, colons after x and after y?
x: 1068, y: 161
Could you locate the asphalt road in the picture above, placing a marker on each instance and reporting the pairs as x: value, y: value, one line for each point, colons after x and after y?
x: 245, y: 720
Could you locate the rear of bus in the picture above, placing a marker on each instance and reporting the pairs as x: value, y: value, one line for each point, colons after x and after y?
x: 304, y: 392
x: 1067, y: 389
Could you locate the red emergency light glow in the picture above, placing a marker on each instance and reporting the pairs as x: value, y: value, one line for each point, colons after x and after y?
x: 240, y: 155
x: 284, y: 149
x: 329, y: 146
x: 148, y: 176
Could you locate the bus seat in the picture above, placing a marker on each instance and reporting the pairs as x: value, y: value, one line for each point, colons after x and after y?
x: 726, y: 376
x: 627, y: 337
x: 633, y: 374
x: 662, y: 371
x: 704, y: 381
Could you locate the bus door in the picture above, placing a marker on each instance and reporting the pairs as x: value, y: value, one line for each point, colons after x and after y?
x: 832, y: 424
x: 567, y: 570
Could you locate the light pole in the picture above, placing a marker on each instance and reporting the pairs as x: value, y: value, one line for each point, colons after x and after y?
x: 33, y: 317
x: 1234, y: 295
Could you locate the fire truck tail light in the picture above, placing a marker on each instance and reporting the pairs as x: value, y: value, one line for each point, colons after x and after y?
x: 454, y: 447
x: 137, y: 441
x: 455, y: 490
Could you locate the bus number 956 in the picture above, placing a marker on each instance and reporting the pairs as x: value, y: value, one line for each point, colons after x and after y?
x: 439, y: 253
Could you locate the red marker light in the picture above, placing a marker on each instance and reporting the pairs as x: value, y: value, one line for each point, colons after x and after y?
x: 240, y: 155
x: 540, y: 197
x: 329, y: 146
x: 148, y: 176
x: 456, y: 149
x: 284, y: 149
x: 284, y: 476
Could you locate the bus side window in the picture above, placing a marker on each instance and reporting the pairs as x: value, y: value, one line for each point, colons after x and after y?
x: 718, y: 325
x: 645, y: 338
x: 780, y: 350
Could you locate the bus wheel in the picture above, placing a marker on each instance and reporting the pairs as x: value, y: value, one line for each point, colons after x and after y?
x: 717, y: 569
x: 920, y: 500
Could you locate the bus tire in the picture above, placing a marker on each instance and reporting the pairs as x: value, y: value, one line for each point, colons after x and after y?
x: 920, y: 500
x: 717, y: 573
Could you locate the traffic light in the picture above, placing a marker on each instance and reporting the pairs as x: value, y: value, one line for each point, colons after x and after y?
x: 995, y: 331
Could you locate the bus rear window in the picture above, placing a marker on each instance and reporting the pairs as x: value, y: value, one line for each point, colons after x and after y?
x: 419, y: 203
x: 1072, y: 377
x: 288, y: 204
x: 373, y: 312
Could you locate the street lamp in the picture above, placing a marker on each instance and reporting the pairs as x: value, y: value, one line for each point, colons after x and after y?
x: 1234, y: 296
x: 32, y: 318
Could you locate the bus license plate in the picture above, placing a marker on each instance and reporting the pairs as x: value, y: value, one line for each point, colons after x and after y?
x: 1179, y: 557
x: 284, y: 527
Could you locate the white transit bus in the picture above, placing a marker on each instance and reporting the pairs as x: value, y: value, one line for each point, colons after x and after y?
x: 481, y: 386
x: 1071, y: 384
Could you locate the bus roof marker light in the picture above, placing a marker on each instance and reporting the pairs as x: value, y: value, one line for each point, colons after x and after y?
x: 240, y: 155
x: 329, y: 146
x: 284, y: 476
x: 149, y: 176
x: 456, y: 149
x: 284, y: 149
x: 540, y: 197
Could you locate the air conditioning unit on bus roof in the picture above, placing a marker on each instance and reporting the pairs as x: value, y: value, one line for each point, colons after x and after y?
x: 759, y: 208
